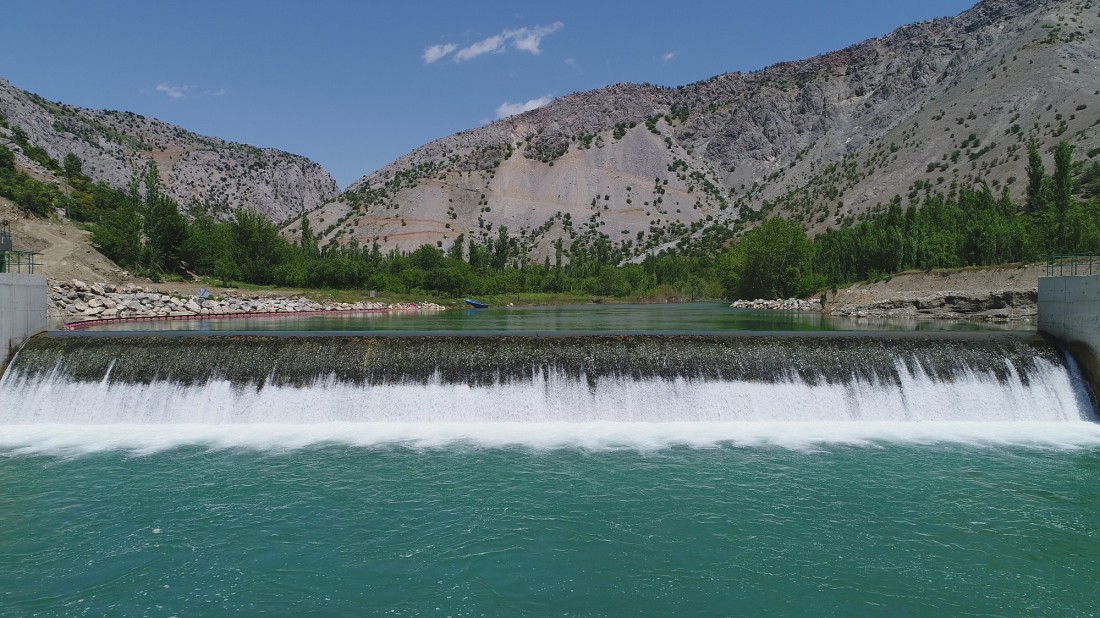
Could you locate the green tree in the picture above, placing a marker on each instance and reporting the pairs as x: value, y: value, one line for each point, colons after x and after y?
x: 453, y: 279
x: 501, y: 249
x: 1062, y: 189
x: 73, y: 166
x: 151, y: 180
x: 225, y: 269
x: 257, y: 246
x: 207, y: 242
x: 308, y: 240
x: 455, y: 252
x: 1036, y: 175
x: 165, y: 233
x: 609, y: 281
x: 412, y: 278
x: 770, y: 261
x: 478, y: 256
x: 427, y: 257
x: 118, y: 236
x: 7, y: 158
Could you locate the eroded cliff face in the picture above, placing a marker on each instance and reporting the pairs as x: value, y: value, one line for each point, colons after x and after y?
x: 945, y: 102
x: 194, y: 169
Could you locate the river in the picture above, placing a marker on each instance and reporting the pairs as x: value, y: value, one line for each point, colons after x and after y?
x: 660, y: 460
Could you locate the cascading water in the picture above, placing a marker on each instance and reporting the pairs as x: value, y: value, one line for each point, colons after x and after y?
x: 589, y: 474
x: 533, y: 389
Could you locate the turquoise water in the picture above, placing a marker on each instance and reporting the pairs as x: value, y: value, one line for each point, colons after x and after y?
x: 958, y: 493
x: 887, y: 528
x: 694, y: 317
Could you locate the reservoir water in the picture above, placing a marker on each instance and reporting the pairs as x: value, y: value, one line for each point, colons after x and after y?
x: 582, y: 461
x: 690, y: 317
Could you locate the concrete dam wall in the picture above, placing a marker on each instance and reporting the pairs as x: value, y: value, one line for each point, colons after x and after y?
x: 22, y: 311
x: 1069, y: 309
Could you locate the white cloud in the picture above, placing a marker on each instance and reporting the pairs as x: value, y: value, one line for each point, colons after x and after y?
x: 511, y: 109
x: 435, y: 52
x: 528, y: 39
x: 175, y: 92
x: 522, y: 39
x: 669, y: 56
x: 492, y: 44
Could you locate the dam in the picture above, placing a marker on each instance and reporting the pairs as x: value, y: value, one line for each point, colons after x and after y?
x: 547, y: 470
x: 516, y: 378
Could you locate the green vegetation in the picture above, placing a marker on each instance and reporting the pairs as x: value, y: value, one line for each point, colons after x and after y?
x: 142, y: 229
x: 970, y: 228
x: 30, y: 194
x: 771, y: 261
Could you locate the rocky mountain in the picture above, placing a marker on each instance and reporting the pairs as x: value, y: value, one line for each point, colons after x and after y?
x: 929, y: 107
x: 194, y: 169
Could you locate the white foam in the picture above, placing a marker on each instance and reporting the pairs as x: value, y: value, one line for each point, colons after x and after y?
x: 73, y: 440
x: 1048, y: 395
x: 56, y: 415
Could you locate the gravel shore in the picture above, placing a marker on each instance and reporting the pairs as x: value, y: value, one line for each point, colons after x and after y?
x: 76, y: 300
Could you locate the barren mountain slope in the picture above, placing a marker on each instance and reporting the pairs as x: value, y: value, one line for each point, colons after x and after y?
x: 194, y: 169
x: 824, y: 139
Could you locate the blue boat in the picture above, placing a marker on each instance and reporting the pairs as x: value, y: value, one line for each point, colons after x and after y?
x: 476, y: 304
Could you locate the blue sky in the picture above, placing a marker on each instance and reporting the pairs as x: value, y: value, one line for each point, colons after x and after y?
x: 353, y: 85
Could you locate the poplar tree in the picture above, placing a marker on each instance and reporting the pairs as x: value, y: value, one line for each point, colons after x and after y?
x: 455, y: 252
x: 308, y: 240
x: 1036, y: 175
x: 1062, y: 190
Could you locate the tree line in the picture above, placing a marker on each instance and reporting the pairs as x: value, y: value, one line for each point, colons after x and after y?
x: 143, y: 229
x: 970, y: 227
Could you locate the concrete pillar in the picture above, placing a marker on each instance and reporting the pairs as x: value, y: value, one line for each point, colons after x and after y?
x: 22, y: 311
x: 1069, y: 309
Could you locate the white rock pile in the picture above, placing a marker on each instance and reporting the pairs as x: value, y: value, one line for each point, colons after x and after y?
x: 989, y: 305
x: 788, y: 304
x: 104, y: 301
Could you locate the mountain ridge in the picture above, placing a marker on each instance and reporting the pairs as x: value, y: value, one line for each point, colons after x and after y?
x: 219, y: 175
x: 648, y: 168
x: 933, y: 106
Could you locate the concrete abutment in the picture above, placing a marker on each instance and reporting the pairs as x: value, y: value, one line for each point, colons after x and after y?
x: 22, y: 311
x: 1069, y: 309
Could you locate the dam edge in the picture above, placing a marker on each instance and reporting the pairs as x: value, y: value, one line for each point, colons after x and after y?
x: 1069, y: 311
x: 23, y: 309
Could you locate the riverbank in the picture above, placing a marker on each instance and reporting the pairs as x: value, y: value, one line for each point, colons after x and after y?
x: 785, y: 304
x: 76, y: 300
x: 993, y: 294
x: 997, y: 294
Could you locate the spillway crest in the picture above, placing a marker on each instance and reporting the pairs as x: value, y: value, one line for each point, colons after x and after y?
x: 459, y: 378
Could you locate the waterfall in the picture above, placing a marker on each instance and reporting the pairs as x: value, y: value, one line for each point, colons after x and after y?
x: 307, y: 379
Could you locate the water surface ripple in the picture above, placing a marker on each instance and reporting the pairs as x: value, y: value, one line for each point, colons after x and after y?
x: 466, y: 530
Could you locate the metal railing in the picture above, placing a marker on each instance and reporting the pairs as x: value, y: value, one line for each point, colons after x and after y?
x: 1073, y: 265
x: 18, y: 262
